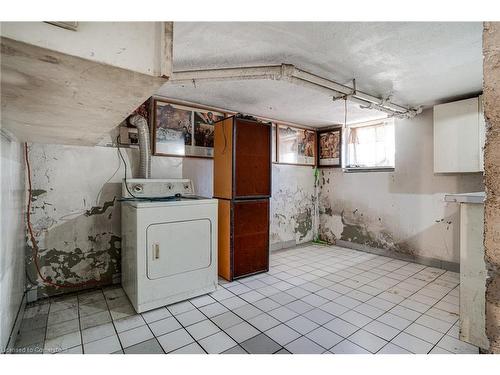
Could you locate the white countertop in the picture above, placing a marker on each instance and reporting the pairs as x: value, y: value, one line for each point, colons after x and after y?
x: 476, y: 197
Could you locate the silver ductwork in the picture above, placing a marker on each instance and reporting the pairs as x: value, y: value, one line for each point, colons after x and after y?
x: 144, y: 145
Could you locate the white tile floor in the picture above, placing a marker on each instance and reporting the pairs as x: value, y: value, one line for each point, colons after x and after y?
x: 314, y: 299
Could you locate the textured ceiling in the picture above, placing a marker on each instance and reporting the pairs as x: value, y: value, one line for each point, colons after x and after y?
x: 418, y: 63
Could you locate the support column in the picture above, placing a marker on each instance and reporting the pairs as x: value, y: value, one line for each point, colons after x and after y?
x: 491, y: 92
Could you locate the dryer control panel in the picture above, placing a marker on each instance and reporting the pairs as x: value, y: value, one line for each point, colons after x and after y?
x: 157, y: 188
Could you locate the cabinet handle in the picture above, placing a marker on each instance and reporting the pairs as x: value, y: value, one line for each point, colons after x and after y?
x: 156, y: 251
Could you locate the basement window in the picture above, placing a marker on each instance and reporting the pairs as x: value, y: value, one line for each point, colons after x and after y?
x: 370, y: 146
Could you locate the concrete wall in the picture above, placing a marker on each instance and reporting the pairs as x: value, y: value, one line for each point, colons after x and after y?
x: 12, y: 237
x: 77, y: 225
x: 491, y: 51
x: 403, y: 211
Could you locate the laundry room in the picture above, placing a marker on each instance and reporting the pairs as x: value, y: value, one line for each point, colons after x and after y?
x: 317, y: 192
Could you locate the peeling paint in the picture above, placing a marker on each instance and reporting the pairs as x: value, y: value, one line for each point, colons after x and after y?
x: 402, y: 212
x: 78, y: 241
x: 37, y: 192
x: 382, y: 239
x: 101, y: 209
x: 292, y: 204
x: 303, y: 223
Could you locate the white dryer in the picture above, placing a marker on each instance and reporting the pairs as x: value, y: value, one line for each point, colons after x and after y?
x: 169, y: 242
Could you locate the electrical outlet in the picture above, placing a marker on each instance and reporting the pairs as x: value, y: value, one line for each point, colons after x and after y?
x: 128, y: 135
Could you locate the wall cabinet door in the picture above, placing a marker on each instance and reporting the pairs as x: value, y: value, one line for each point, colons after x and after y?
x: 457, y: 137
x: 252, y: 157
x: 250, y: 237
x: 242, y: 159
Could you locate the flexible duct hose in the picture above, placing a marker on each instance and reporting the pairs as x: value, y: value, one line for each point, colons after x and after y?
x: 144, y: 145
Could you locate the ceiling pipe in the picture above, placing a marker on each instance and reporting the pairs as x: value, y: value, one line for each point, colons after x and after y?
x: 288, y: 72
x: 224, y: 74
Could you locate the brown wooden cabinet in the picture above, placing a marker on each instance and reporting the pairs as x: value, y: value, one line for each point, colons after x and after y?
x: 242, y: 183
x: 242, y: 159
x: 243, y: 237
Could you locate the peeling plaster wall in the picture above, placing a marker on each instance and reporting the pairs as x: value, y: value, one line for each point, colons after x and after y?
x: 491, y: 85
x: 12, y: 234
x: 292, y: 205
x: 292, y: 218
x: 76, y: 224
x: 402, y: 211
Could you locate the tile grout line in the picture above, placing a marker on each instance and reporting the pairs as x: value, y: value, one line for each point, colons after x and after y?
x: 150, y: 330
x: 184, y: 327
x: 399, y: 304
x: 339, y: 317
x: 323, y: 261
x: 220, y: 328
x: 79, y: 323
x: 372, y: 296
x: 112, y: 321
x: 46, y: 326
x: 241, y: 317
x: 312, y: 308
x: 352, y: 309
x: 387, y: 274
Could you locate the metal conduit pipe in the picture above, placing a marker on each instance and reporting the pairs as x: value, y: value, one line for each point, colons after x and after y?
x: 288, y: 72
x: 144, y: 145
x: 346, y: 90
x: 363, y: 103
x: 223, y: 74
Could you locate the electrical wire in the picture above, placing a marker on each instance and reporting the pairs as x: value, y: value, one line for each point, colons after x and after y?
x: 98, y: 194
x: 125, y: 165
x: 109, y: 179
x: 35, y: 248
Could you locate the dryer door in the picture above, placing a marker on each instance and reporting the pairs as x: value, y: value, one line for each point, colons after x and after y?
x: 178, y: 247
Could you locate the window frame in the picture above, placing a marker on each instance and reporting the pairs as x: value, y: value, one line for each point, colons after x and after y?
x: 345, y: 152
x: 300, y: 128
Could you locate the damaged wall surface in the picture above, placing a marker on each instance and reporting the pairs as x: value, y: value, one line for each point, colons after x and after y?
x: 292, y: 205
x: 12, y: 238
x: 402, y: 211
x: 76, y: 213
x: 491, y: 51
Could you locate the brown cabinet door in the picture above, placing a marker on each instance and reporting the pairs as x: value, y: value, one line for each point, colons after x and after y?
x: 252, y: 159
x: 250, y: 237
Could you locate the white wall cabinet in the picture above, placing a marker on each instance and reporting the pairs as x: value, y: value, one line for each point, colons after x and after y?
x: 459, y: 134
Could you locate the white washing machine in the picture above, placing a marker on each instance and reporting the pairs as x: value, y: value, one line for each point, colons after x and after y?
x: 169, y: 245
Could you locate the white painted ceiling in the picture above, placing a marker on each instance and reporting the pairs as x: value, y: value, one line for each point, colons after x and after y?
x: 418, y: 63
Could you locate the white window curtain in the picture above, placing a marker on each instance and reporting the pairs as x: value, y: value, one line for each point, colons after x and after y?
x: 371, y: 145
